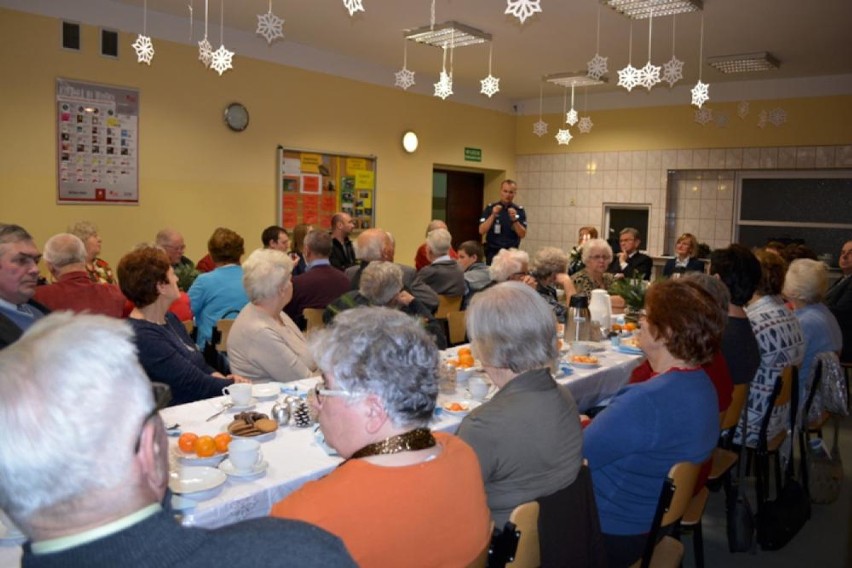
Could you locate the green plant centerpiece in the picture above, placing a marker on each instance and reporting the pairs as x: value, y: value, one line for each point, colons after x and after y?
x: 632, y: 290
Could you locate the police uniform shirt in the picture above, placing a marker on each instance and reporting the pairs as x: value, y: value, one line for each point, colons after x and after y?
x: 501, y: 235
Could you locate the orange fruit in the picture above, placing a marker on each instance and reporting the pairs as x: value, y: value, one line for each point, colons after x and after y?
x: 205, y: 447
x: 186, y: 442
x: 466, y: 360
x: 222, y: 440
x: 464, y: 351
x: 630, y: 326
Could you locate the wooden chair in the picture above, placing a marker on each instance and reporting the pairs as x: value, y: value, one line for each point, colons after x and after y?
x: 189, y: 325
x: 525, y: 517
x: 314, y: 318
x: 674, y: 501
x: 457, y: 330
x: 447, y: 304
x: 723, y: 457
x: 223, y: 326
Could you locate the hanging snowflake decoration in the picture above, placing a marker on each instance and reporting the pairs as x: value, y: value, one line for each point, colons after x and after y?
x: 540, y: 128
x: 672, y: 71
x: 700, y: 93
x: 353, y: 6
x: 721, y: 119
x: 205, y: 52
x: 703, y: 116
x: 522, y: 9
x: 742, y: 109
x: 649, y: 75
x: 761, y: 119
x: 490, y: 86
x: 596, y: 67
x: 269, y: 26
x: 585, y: 125
x: 563, y: 137
x: 221, y: 61
x: 629, y: 77
x: 404, y: 78
x: 444, y: 86
x: 571, y: 117
x: 777, y: 116
x: 144, y: 49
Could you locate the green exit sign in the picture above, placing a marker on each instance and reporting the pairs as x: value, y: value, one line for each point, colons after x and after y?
x: 473, y: 154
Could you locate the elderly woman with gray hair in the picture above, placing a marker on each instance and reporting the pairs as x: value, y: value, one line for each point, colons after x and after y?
x: 550, y: 266
x: 527, y: 437
x: 264, y: 343
x: 511, y: 264
x: 804, y: 287
x: 98, y: 269
x: 380, y: 285
x: 403, y: 491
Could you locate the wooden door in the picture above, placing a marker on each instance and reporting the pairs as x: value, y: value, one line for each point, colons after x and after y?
x: 457, y: 199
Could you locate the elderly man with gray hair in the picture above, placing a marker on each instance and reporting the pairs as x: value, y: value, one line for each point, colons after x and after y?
x: 84, y: 462
x: 443, y: 275
x: 381, y: 285
x: 65, y: 256
x: 512, y: 264
x: 420, y: 258
x: 172, y: 242
x: 19, y: 259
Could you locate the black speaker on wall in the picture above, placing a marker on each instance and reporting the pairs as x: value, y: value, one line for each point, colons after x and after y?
x: 109, y: 43
x: 71, y: 35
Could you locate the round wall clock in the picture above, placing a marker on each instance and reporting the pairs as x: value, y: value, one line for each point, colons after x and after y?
x: 236, y: 117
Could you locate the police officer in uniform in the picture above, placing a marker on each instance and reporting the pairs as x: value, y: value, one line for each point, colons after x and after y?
x: 504, y: 224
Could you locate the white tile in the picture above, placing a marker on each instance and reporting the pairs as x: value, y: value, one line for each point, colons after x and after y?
x: 623, y: 179
x: 707, y: 209
x: 654, y: 160
x: 596, y: 180
x: 700, y: 158
x: 611, y: 195
x: 717, y: 158
x: 531, y: 198
x: 843, y: 157
x: 639, y: 159
x: 656, y: 197
x: 533, y: 180
x: 583, y: 161
x: 625, y: 161
x: 786, y: 157
x: 571, y: 179
x: 535, y: 163
x: 622, y: 196
x: 751, y: 158
x: 769, y: 158
x: 734, y: 158
x: 571, y: 161
x: 723, y: 232
x: 706, y: 229
x: 610, y: 161
x: 825, y: 156
x: 637, y: 196
x: 691, y: 209
x: 654, y: 180
x: 806, y: 158
x: 669, y: 160
x: 684, y: 159
x: 637, y: 179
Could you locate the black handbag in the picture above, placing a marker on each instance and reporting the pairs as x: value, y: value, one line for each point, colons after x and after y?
x: 779, y: 520
x: 739, y: 515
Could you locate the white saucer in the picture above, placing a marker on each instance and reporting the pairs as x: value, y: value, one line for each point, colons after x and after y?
x: 585, y: 365
x: 251, y: 404
x: 265, y: 390
x: 259, y: 437
x: 190, y: 480
x: 227, y: 467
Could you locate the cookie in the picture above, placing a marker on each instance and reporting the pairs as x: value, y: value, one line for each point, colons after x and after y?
x: 266, y: 425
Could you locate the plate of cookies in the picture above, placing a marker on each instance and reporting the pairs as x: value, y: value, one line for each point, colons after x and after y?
x: 254, y: 425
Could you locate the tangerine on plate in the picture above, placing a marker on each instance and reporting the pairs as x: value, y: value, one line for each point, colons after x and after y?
x: 205, y: 447
x: 464, y: 351
x: 222, y: 440
x: 186, y: 442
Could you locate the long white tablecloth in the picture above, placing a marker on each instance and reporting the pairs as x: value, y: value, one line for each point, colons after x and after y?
x: 295, y: 457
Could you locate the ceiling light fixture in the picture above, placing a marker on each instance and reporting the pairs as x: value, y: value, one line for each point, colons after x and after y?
x: 573, y: 79
x: 448, y: 34
x: 639, y: 9
x: 744, y: 62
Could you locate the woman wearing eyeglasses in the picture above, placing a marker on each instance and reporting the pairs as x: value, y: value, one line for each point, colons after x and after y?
x: 597, y: 254
x: 403, y: 492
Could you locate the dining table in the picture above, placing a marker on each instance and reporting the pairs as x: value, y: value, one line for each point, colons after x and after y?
x: 296, y: 455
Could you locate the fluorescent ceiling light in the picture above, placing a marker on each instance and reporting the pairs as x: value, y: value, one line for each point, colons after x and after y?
x: 744, y: 62
x: 448, y: 34
x: 574, y: 79
x: 638, y: 9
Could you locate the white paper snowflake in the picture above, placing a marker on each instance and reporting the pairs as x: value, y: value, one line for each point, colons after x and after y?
x: 700, y: 93
x: 650, y: 75
x: 721, y: 119
x: 629, y: 77
x: 703, y: 116
x: 269, y: 26
x: 672, y: 71
x: 761, y: 119
x: 490, y: 86
x: 563, y: 137
x: 742, y: 109
x: 585, y: 125
x: 221, y: 61
x: 522, y: 9
x: 777, y: 116
x: 404, y: 78
x: 144, y: 49
x: 444, y: 86
x: 596, y: 67
x: 571, y: 117
x: 353, y: 6
x: 205, y: 52
x: 540, y: 128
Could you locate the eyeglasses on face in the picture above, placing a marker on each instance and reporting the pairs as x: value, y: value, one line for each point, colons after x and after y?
x: 603, y: 257
x: 321, y: 392
x: 518, y: 275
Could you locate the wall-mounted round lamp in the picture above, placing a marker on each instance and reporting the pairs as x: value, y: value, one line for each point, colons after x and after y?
x: 409, y: 141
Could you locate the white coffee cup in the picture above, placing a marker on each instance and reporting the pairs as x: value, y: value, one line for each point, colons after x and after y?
x: 580, y: 348
x: 478, y: 386
x: 245, y: 454
x: 240, y: 393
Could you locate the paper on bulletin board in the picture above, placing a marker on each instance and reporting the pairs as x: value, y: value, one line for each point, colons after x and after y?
x: 311, y: 162
x: 310, y: 209
x: 329, y: 203
x: 355, y: 164
x: 291, y: 166
x: 311, y: 184
x: 364, y: 179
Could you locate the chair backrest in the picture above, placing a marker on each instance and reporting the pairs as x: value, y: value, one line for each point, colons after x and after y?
x: 735, y: 410
x: 456, y: 323
x: 314, y: 318
x: 189, y: 326
x: 786, y: 385
x: 447, y: 304
x: 525, y: 517
x: 223, y: 326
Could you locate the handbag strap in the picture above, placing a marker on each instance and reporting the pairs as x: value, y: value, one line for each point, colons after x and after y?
x: 740, y: 468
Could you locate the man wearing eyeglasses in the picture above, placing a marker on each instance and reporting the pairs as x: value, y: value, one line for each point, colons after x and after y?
x: 172, y: 242
x: 839, y: 300
x: 630, y: 263
x: 19, y: 258
x: 85, y: 463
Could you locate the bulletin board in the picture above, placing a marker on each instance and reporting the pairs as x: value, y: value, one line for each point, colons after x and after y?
x: 313, y: 186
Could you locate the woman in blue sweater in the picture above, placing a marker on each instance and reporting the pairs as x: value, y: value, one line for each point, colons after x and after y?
x: 651, y: 426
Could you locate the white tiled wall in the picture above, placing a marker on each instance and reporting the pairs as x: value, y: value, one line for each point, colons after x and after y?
x: 563, y: 192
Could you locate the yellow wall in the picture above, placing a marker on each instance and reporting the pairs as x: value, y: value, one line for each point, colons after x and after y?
x: 195, y: 174
x: 810, y: 122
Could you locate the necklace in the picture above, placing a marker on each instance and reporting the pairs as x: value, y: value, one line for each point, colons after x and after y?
x: 417, y: 439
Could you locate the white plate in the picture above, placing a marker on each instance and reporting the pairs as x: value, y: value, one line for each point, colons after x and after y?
x: 229, y: 469
x: 190, y: 459
x: 244, y: 407
x: 593, y: 346
x: 260, y: 437
x: 585, y: 365
x: 190, y: 480
x: 628, y: 349
x: 468, y: 404
x: 265, y: 390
